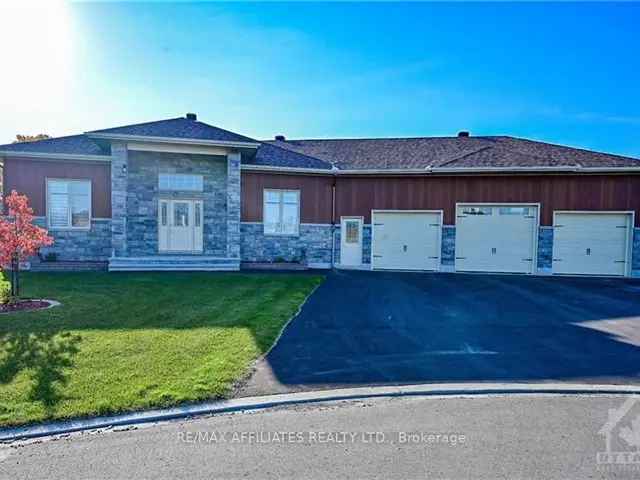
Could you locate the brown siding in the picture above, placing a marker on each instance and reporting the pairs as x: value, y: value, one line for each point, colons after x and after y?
x: 29, y: 177
x: 315, y: 195
x: 359, y: 195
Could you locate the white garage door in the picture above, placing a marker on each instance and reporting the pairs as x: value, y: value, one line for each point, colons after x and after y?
x: 496, y: 238
x: 591, y: 243
x: 404, y: 240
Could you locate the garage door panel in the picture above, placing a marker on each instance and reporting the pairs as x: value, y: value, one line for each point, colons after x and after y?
x: 496, y: 238
x: 406, y: 241
x: 591, y: 243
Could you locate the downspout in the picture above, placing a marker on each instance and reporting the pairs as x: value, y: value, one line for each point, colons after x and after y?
x: 333, y: 223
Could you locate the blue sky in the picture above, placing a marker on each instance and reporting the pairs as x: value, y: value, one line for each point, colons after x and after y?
x: 566, y: 73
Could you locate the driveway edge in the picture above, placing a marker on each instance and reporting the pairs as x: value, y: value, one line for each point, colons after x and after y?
x: 270, y: 401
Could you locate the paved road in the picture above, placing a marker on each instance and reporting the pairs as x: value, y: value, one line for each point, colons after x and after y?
x: 363, y: 328
x: 496, y: 437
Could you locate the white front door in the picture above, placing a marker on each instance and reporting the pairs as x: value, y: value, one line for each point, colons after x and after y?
x: 592, y: 243
x: 351, y: 241
x: 406, y: 240
x: 496, y: 238
x: 180, y: 226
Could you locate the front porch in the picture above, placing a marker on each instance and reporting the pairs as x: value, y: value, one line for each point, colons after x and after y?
x: 174, y: 208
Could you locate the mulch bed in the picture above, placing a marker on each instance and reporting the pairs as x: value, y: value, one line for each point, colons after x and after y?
x: 24, y: 305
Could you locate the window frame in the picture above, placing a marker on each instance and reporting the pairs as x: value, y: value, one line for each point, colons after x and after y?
x: 69, y: 225
x: 200, y: 188
x: 281, y: 203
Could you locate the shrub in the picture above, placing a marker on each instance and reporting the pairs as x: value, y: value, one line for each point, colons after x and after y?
x: 5, y: 289
x: 51, y: 257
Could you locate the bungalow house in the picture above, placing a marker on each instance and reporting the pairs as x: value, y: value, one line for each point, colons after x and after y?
x: 179, y: 194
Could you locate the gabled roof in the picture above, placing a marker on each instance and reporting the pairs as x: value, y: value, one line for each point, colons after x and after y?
x: 449, y: 152
x: 71, y: 145
x: 179, y: 128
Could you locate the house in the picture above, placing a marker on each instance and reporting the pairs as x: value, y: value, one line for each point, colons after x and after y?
x: 180, y: 194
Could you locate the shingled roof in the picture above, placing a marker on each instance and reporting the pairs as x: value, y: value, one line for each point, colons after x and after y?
x: 179, y: 128
x: 449, y: 152
x: 71, y: 145
x: 423, y: 153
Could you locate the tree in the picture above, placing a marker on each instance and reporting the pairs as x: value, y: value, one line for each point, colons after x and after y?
x: 31, y: 138
x: 19, y: 237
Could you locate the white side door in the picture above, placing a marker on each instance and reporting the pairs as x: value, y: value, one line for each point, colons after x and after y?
x: 406, y: 240
x: 351, y: 241
x: 496, y: 238
x: 591, y: 243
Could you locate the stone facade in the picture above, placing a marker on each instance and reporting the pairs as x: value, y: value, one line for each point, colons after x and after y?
x: 143, y: 195
x: 635, y: 254
x: 366, y: 245
x: 119, y: 181
x: 312, y: 246
x: 92, y: 245
x: 448, y: 247
x: 545, y: 249
x: 233, y: 205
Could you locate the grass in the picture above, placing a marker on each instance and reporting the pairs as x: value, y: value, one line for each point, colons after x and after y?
x: 130, y: 341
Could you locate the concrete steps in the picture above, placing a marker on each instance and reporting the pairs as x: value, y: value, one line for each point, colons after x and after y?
x: 173, y: 263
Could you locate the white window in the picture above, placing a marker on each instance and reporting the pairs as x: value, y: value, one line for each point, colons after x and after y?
x: 522, y: 211
x: 281, y: 212
x: 69, y: 203
x: 476, y: 211
x: 181, y: 182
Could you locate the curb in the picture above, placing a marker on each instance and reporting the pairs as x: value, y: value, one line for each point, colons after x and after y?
x: 270, y: 401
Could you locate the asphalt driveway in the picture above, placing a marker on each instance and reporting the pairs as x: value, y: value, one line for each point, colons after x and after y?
x: 363, y: 328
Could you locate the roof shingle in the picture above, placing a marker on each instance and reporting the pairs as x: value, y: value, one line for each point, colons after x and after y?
x: 180, y: 127
x: 71, y: 145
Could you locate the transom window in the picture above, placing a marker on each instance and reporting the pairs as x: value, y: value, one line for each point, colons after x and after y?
x: 69, y: 203
x: 281, y: 212
x: 181, y: 182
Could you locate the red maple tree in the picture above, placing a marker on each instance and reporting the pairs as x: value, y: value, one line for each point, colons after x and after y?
x: 19, y: 237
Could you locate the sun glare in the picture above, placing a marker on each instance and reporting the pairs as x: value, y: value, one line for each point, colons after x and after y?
x: 36, y: 50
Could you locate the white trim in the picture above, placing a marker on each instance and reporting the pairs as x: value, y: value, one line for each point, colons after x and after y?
x: 57, y: 156
x: 628, y: 267
x: 185, y: 141
x: 439, y: 170
x: 536, y: 230
x: 69, y: 227
x: 169, y: 148
x: 274, y: 169
x: 439, y: 212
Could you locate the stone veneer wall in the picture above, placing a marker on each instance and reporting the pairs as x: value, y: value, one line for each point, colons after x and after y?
x: 143, y: 194
x: 635, y: 254
x: 545, y: 249
x: 92, y: 245
x: 312, y: 245
x: 366, y: 245
x: 448, y: 247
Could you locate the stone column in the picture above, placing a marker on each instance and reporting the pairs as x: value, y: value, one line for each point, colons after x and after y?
x: 233, y: 205
x: 119, y: 181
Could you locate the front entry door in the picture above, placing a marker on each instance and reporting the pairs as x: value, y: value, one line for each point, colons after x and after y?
x: 180, y: 226
x: 351, y: 241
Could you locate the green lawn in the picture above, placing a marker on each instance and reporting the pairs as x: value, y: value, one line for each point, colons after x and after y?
x: 131, y: 341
